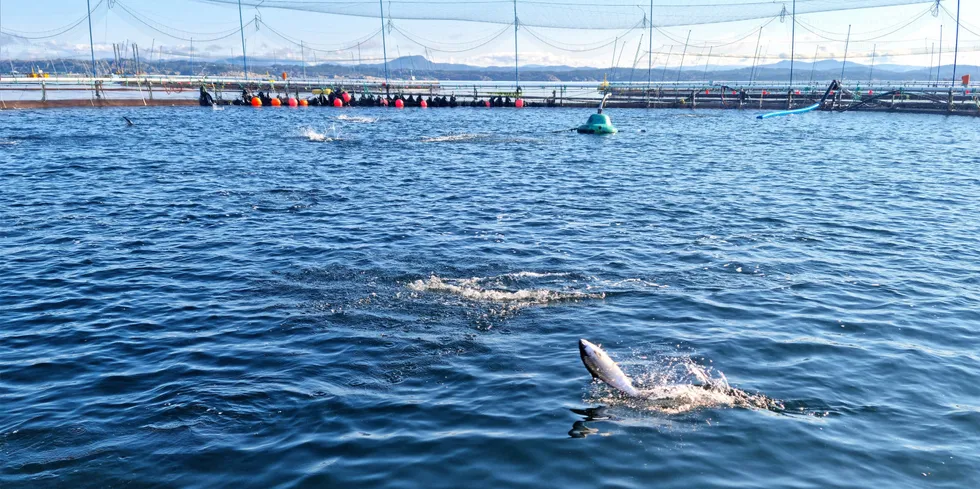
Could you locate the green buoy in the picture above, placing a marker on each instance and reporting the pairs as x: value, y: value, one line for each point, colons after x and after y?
x: 598, y: 123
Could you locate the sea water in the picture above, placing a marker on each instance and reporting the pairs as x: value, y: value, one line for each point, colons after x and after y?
x: 382, y: 298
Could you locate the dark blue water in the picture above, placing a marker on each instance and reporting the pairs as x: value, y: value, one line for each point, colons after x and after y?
x: 276, y: 298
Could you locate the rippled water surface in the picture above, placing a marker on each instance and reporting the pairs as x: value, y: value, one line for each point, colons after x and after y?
x: 369, y: 298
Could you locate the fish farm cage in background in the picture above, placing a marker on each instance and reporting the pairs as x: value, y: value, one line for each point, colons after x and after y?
x: 126, y: 78
x: 909, y: 97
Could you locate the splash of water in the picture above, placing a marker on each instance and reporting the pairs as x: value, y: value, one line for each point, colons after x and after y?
x: 312, y: 134
x: 493, y: 289
x: 676, y: 385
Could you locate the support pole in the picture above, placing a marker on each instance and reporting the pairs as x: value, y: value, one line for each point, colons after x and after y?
x: 91, y: 42
x: 939, y: 66
x: 620, y: 58
x: 847, y: 43
x: 1, y: 28
x: 706, y: 64
x: 792, y: 49
x: 813, y: 65
x: 956, y: 45
x: 302, y: 54
x: 612, y: 62
x: 682, y: 56
x: 517, y: 71
x: 136, y: 58
x: 871, y: 77
x: 636, y: 58
x: 755, y: 59
x: 956, y: 53
x: 650, y: 55
x: 384, y: 46
x: 241, y: 26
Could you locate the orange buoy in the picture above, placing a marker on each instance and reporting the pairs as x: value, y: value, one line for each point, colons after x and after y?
x: 338, y: 103
x: 424, y: 104
x: 519, y: 103
x: 293, y: 102
x: 797, y: 92
x: 486, y: 103
x: 304, y: 103
x: 276, y: 102
x: 765, y: 92
x: 256, y: 102
x: 871, y: 92
x: 346, y: 97
x: 399, y: 103
x: 706, y: 91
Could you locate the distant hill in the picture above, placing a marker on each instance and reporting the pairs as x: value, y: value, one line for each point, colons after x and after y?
x: 420, y: 68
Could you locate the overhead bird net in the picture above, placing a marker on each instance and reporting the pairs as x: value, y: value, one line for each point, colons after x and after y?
x: 570, y: 14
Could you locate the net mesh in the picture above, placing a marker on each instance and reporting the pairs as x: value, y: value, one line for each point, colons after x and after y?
x: 131, y: 30
x: 569, y: 14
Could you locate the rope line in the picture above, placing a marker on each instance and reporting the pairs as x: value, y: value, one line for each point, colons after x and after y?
x: 532, y: 33
x: 503, y: 31
x: 62, y: 30
x: 910, y: 22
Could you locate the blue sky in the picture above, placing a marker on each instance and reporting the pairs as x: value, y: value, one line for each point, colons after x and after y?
x: 902, y: 34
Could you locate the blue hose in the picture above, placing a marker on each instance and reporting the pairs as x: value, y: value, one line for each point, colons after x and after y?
x: 788, y: 112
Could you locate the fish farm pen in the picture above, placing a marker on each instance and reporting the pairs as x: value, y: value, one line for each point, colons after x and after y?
x: 88, y: 80
x: 908, y: 97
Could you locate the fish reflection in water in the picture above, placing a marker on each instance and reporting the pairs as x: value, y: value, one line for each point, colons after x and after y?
x: 598, y: 413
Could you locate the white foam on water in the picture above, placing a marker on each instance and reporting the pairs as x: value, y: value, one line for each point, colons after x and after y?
x: 481, y: 289
x: 357, y: 119
x: 519, y: 275
x: 452, y: 138
x: 629, y: 283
